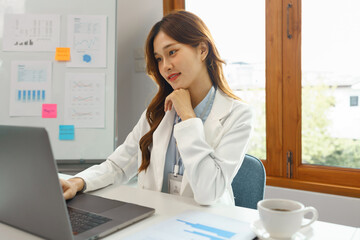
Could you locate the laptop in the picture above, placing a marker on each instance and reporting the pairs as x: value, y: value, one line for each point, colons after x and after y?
x: 31, y: 197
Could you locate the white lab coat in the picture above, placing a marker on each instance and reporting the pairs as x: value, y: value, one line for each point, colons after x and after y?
x: 211, y: 153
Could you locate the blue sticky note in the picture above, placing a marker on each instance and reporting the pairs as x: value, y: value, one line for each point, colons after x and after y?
x: 66, y: 132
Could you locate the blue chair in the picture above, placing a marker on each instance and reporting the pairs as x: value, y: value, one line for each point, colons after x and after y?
x: 249, y: 183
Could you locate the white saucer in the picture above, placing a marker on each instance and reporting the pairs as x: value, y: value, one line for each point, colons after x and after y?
x: 262, y: 234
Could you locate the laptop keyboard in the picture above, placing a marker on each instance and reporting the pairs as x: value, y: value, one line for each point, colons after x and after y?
x: 82, y: 221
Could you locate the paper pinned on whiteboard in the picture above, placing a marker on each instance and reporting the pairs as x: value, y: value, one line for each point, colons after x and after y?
x: 29, y: 32
x: 85, y: 100
x: 30, y: 87
x: 87, y: 37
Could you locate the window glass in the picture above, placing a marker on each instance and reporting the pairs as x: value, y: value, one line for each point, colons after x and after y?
x: 330, y: 77
x: 238, y: 28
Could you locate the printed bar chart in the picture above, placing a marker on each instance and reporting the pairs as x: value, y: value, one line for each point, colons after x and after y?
x: 196, y: 225
x: 219, y: 232
x: 31, y: 95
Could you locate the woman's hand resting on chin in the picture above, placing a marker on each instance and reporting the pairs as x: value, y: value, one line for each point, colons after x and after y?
x: 180, y: 99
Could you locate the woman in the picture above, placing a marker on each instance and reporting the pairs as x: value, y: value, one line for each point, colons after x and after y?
x: 193, y: 136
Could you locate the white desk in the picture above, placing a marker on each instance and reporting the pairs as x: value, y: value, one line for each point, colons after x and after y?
x: 168, y: 206
x: 357, y: 234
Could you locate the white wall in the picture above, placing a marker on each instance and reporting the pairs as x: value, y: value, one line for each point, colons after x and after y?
x: 135, y: 90
x: 332, y: 208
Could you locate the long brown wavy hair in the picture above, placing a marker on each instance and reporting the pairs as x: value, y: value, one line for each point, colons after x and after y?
x: 186, y: 28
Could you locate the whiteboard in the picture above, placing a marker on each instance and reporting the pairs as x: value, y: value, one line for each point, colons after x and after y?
x: 88, y: 143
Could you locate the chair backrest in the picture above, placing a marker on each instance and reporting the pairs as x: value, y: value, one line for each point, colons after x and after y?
x: 249, y: 183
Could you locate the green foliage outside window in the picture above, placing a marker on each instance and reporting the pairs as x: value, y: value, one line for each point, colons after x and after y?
x: 318, y: 146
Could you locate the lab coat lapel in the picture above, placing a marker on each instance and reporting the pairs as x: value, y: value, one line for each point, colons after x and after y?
x: 161, y: 139
x: 212, y: 127
x: 221, y: 108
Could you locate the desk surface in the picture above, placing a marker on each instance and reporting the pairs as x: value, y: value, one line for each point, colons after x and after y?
x: 168, y: 206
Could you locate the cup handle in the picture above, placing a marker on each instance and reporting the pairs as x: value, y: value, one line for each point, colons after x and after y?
x: 314, y: 217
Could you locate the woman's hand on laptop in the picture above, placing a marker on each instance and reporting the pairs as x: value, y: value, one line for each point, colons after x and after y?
x: 71, y: 186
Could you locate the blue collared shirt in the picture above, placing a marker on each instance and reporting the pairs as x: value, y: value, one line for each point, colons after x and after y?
x: 202, y: 111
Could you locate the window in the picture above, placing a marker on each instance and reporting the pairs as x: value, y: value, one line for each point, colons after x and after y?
x: 310, y: 72
x: 243, y: 49
x: 329, y: 69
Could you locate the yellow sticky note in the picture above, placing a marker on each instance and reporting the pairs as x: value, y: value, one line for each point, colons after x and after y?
x: 62, y: 54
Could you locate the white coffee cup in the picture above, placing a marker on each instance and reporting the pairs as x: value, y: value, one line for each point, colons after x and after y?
x: 282, y: 218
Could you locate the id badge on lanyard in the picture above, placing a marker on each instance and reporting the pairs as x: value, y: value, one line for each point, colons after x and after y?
x: 174, y: 179
x: 174, y: 183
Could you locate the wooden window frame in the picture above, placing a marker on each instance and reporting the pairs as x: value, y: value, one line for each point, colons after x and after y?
x: 171, y: 5
x: 283, y: 121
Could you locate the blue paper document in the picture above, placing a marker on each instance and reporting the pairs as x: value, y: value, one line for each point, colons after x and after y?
x: 197, y: 225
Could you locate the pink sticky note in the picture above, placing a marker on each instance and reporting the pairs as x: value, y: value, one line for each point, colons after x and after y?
x: 49, y: 110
